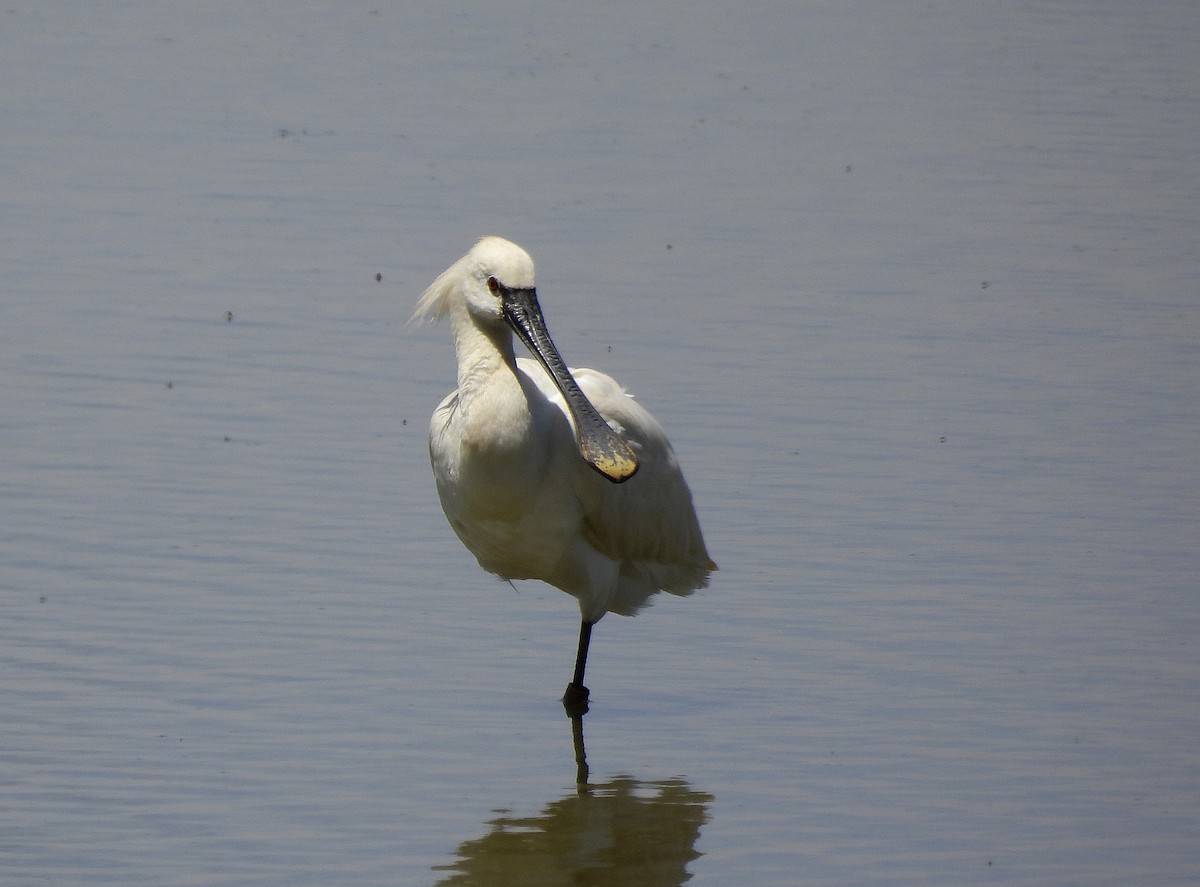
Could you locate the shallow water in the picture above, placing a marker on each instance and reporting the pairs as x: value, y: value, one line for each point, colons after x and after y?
x: 911, y: 286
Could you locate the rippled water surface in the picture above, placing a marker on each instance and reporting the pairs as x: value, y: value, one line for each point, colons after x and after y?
x: 911, y: 285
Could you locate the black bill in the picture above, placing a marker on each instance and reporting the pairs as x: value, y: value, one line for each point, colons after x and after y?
x: 599, y: 445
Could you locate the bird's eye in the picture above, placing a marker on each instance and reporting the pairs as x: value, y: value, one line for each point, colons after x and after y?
x: 494, y: 285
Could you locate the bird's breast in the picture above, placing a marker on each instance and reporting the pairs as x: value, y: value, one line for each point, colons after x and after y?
x: 504, y: 459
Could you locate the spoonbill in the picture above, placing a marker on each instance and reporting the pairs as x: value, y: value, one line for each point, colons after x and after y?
x: 551, y: 473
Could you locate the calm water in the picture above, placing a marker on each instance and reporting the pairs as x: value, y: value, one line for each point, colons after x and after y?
x: 911, y: 285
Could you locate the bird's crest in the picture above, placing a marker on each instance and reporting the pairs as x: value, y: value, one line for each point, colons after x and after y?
x: 435, y: 301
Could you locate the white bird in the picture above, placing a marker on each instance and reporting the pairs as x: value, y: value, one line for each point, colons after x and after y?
x: 550, y: 473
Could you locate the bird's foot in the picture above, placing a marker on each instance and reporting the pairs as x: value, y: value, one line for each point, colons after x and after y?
x: 575, y: 700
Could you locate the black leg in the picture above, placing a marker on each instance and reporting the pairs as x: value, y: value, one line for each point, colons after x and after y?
x: 575, y: 700
x: 585, y: 638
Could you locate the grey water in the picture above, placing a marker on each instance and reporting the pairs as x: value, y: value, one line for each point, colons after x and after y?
x: 913, y: 288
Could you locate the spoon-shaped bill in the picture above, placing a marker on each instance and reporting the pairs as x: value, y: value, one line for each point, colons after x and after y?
x: 599, y: 445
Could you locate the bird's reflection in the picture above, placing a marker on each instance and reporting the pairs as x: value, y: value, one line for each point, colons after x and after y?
x: 624, y: 831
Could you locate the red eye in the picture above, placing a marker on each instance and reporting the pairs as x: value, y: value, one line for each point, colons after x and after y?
x: 493, y: 285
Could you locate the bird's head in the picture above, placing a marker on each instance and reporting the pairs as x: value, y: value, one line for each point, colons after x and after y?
x: 479, y: 282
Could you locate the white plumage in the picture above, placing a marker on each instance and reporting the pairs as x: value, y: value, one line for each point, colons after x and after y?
x: 534, y: 483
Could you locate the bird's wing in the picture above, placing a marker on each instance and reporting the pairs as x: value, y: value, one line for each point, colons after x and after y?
x: 646, y: 524
x: 649, y: 519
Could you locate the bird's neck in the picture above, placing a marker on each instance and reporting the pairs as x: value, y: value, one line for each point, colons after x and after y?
x: 482, y: 353
x: 494, y: 419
